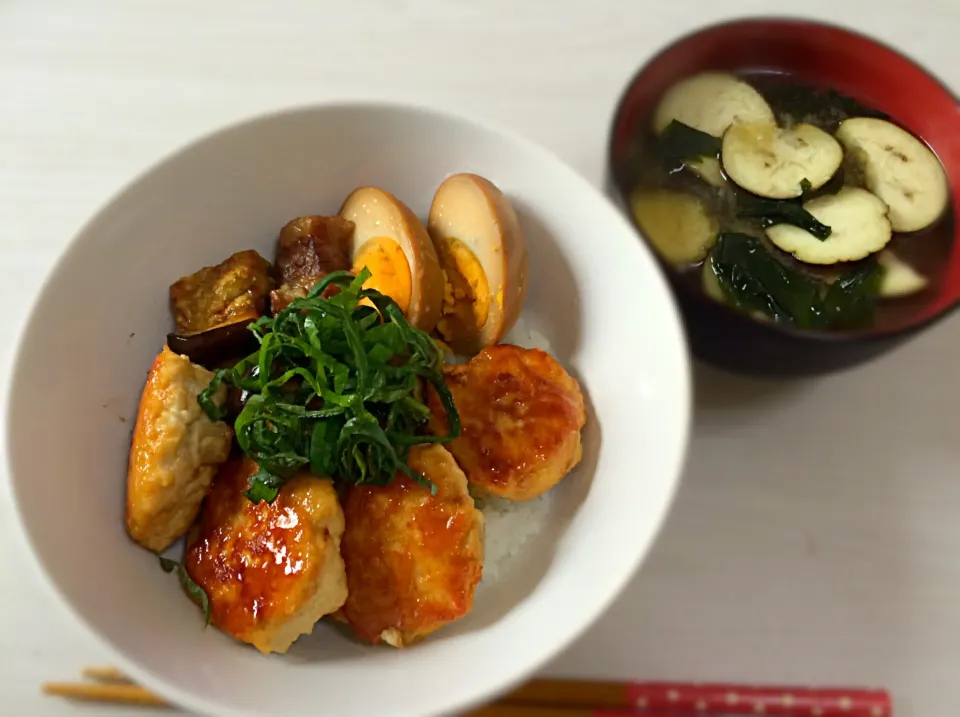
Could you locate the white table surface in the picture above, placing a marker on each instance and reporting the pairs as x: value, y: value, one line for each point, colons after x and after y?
x: 816, y: 537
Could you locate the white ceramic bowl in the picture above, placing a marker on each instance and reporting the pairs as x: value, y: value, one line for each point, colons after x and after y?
x: 595, y: 292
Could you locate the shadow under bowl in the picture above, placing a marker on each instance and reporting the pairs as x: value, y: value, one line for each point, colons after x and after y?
x: 822, y: 56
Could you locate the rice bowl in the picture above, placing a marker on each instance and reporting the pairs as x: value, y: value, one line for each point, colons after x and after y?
x: 233, y: 189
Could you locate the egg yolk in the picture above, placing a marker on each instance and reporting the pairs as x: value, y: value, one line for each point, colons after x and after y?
x: 466, y: 294
x: 389, y: 269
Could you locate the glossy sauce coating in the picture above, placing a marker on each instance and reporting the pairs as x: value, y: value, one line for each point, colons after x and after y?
x: 521, y: 413
x: 266, y: 566
x: 413, y: 559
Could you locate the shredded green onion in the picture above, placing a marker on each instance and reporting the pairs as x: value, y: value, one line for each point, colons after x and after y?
x: 335, y: 386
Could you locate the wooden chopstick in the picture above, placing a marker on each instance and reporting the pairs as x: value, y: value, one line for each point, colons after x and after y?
x: 580, y: 698
x: 105, y: 674
x: 105, y: 692
x: 107, y: 685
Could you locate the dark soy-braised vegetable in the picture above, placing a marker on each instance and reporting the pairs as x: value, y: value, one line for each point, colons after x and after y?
x: 213, y: 307
x: 215, y: 347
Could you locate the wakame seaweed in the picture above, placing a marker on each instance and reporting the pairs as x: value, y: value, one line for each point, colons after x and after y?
x: 755, y: 280
x: 824, y: 108
x: 832, y: 186
x: 849, y: 302
x: 680, y: 143
x: 780, y: 211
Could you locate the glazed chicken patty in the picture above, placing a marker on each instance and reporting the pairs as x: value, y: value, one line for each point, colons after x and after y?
x: 522, y: 414
x: 413, y: 559
x: 175, y: 453
x: 270, y: 570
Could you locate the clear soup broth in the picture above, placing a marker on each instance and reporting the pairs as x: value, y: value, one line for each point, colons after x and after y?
x: 716, y: 233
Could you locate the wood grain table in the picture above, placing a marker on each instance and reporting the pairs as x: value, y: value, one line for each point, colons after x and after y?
x: 816, y: 537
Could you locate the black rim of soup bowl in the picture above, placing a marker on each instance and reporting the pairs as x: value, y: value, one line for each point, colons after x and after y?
x: 728, y: 338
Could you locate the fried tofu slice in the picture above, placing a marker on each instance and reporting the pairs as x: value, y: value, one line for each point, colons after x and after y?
x: 308, y: 249
x: 522, y: 415
x: 233, y: 291
x: 175, y: 452
x: 413, y: 559
x: 270, y: 570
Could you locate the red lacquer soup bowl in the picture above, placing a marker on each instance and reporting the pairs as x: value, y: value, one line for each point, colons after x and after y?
x: 824, y: 57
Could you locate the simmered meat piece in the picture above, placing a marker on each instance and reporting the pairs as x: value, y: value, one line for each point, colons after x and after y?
x: 413, y: 559
x: 521, y: 413
x: 308, y: 249
x: 233, y: 291
x: 270, y: 570
x: 175, y: 453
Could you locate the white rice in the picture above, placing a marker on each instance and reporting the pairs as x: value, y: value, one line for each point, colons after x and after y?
x: 510, y: 525
x: 522, y: 334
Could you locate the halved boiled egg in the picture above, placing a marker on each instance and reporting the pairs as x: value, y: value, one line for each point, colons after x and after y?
x: 483, y: 254
x: 390, y: 241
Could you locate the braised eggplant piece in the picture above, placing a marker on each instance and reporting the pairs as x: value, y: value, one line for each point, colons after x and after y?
x: 679, y: 225
x: 858, y: 225
x: 780, y: 163
x: 707, y: 104
x: 308, y: 249
x: 234, y: 291
x: 214, y: 306
x: 213, y: 348
x: 899, y: 168
x: 899, y: 278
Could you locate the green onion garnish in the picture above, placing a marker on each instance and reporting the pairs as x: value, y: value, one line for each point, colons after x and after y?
x: 335, y: 386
